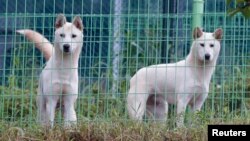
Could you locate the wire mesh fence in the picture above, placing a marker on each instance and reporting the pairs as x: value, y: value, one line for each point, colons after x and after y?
x: 149, y: 32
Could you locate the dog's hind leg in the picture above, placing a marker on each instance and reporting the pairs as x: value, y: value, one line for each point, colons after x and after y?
x: 136, y: 102
x: 157, y: 107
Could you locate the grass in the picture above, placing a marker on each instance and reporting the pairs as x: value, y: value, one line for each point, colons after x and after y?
x: 105, y: 131
x: 111, y: 130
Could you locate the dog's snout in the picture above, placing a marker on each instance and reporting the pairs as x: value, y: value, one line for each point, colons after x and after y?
x: 207, y: 56
x: 66, y: 47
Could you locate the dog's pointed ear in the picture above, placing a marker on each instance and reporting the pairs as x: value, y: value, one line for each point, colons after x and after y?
x: 60, y: 21
x: 197, y: 33
x: 218, y: 34
x: 77, y: 21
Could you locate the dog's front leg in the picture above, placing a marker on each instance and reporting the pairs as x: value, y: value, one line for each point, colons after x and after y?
x: 50, y: 110
x: 197, y: 104
x: 181, y: 108
x: 41, y: 116
x: 69, y: 110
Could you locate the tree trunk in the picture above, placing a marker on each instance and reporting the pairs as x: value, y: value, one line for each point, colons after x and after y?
x: 116, y: 46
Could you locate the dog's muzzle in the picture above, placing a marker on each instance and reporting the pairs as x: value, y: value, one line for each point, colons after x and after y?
x: 66, y: 48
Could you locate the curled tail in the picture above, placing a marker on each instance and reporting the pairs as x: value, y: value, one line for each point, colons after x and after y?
x: 40, y: 41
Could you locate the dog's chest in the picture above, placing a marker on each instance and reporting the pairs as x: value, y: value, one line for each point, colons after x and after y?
x: 63, y: 71
x: 60, y: 76
x: 64, y: 76
x: 63, y: 85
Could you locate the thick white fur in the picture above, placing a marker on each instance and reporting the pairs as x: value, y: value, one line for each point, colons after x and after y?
x: 58, y: 81
x: 183, y: 83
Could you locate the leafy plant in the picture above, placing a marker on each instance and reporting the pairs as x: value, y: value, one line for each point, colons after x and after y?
x: 238, y: 6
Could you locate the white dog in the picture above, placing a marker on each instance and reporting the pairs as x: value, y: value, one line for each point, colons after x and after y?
x: 58, y: 81
x: 183, y: 83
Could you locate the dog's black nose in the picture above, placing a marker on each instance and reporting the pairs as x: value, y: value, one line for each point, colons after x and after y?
x: 207, y: 56
x: 66, y: 47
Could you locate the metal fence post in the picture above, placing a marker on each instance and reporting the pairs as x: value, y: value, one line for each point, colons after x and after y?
x: 198, y: 9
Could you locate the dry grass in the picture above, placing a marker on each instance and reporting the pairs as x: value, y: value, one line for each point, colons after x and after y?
x: 110, y: 131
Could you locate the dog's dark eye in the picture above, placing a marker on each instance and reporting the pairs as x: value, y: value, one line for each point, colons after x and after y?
x: 202, y: 44
x: 73, y: 35
x: 211, y: 45
x: 62, y: 35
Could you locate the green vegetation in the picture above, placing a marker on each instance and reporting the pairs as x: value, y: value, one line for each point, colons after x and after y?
x: 238, y: 6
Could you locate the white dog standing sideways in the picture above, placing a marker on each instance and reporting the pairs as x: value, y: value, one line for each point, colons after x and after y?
x: 183, y: 83
x: 58, y: 81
